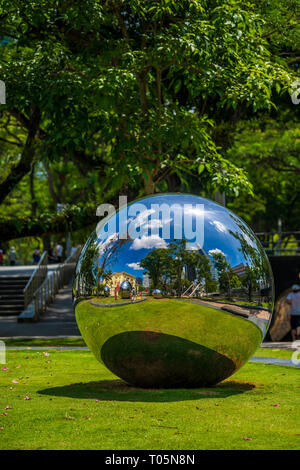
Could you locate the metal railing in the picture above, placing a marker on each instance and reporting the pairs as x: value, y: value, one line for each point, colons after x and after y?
x: 46, y: 293
x: 36, y: 279
x: 280, y: 243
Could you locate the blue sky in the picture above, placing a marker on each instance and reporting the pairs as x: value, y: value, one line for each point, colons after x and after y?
x: 147, y: 227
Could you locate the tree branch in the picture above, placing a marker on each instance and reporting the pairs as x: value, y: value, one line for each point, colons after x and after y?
x: 57, y: 223
x: 24, y: 165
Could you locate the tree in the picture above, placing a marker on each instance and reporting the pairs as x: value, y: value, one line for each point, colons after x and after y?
x: 267, y: 147
x: 228, y: 279
x: 204, y: 273
x: 269, y: 152
x: 250, y: 280
x: 156, y: 263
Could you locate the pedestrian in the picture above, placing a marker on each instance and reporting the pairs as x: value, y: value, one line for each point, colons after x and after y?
x: 12, y: 256
x: 1, y: 257
x: 51, y: 258
x: 293, y: 299
x: 133, y: 294
x: 59, y: 252
x: 36, y: 255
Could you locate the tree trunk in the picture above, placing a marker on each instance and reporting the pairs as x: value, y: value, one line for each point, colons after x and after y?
x: 24, y: 165
x: 32, y: 192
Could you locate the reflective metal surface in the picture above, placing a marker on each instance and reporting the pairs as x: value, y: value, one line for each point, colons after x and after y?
x: 190, y: 292
x: 157, y: 294
x: 106, y: 291
x: 125, y: 290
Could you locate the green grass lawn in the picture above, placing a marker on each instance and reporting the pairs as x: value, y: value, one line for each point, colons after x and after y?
x: 75, y: 403
x: 102, y: 300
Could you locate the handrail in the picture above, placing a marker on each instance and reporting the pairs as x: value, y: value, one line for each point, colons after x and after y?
x: 285, y: 243
x: 46, y: 292
x: 36, y: 279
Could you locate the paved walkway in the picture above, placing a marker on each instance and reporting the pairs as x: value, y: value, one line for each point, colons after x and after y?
x: 290, y: 346
x: 275, y: 361
x: 58, y: 320
x: 22, y: 270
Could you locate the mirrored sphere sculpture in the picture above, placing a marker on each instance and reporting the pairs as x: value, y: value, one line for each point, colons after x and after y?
x: 190, y: 292
x: 157, y: 294
x: 106, y: 291
x: 125, y: 290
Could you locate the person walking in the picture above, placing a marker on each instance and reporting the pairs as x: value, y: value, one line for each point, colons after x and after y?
x: 12, y: 256
x: 36, y: 255
x: 73, y: 250
x: 293, y: 299
x: 59, y: 252
x: 1, y: 257
x: 51, y: 258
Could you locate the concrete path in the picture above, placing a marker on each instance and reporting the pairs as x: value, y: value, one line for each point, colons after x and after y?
x: 61, y: 309
x: 288, y: 345
x: 58, y: 320
x: 22, y: 270
x: 275, y: 361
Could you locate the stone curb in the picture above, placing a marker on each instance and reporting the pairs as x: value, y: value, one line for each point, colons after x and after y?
x: 120, y: 304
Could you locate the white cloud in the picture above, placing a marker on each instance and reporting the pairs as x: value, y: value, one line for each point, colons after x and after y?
x: 103, y: 245
x: 194, y: 246
x: 153, y: 223
x: 141, y: 218
x: 135, y: 266
x: 154, y: 241
x: 219, y: 226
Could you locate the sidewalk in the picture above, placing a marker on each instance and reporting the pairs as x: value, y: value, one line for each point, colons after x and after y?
x: 22, y: 270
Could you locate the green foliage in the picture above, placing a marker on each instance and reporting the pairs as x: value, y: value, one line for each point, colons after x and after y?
x: 271, y: 158
x: 228, y: 279
x: 132, y: 96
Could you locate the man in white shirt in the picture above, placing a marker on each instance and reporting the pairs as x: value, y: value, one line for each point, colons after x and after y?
x: 293, y: 299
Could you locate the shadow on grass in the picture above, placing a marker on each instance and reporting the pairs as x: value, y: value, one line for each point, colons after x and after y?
x: 117, y: 390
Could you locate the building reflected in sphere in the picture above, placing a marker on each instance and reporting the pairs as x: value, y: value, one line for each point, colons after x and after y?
x: 190, y: 292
